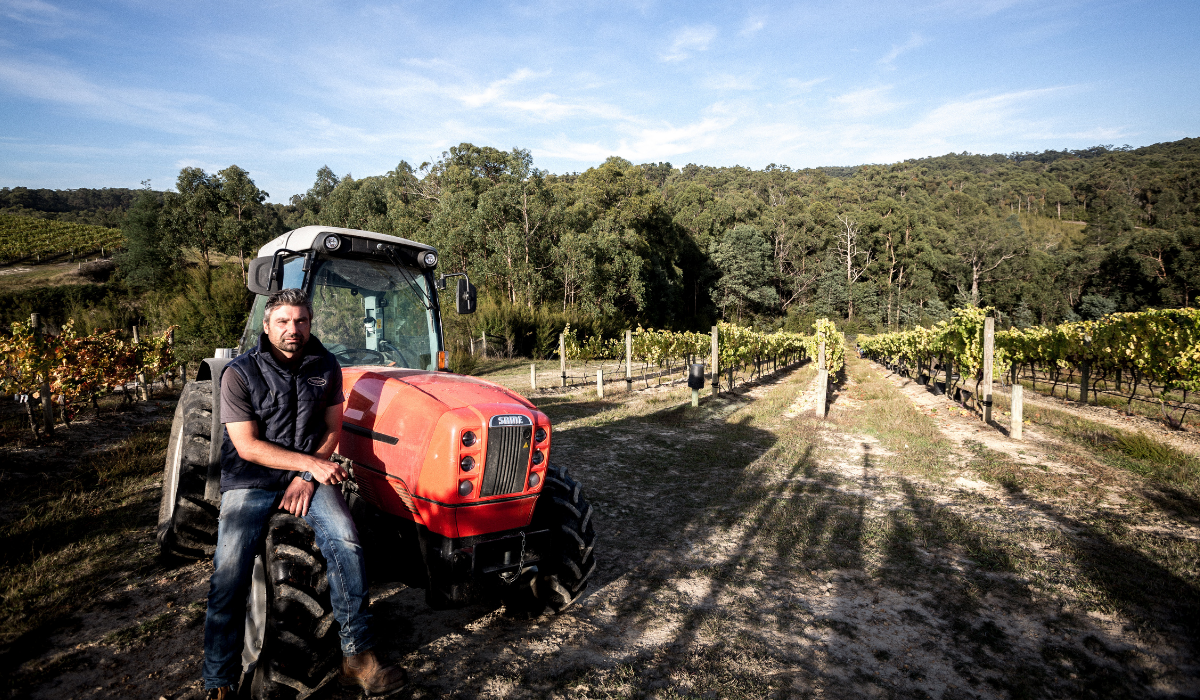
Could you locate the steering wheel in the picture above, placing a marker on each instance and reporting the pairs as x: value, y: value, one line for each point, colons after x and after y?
x: 406, y: 355
x: 361, y: 356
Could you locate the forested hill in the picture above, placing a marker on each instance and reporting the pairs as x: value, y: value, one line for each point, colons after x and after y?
x: 1042, y: 236
x: 99, y: 207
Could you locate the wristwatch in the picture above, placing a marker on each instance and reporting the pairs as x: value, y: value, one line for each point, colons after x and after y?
x: 307, y: 476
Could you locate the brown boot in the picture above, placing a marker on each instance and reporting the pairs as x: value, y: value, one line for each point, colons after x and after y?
x: 226, y: 693
x: 365, y: 671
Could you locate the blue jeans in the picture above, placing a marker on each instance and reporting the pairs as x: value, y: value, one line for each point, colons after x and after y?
x: 244, y: 513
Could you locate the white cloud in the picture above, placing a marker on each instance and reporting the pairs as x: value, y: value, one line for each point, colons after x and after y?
x: 801, y: 85
x: 753, y: 25
x: 176, y: 112
x: 913, y: 42
x: 646, y: 143
x: 867, y: 102
x: 32, y: 11
x: 728, y: 81
x: 689, y: 40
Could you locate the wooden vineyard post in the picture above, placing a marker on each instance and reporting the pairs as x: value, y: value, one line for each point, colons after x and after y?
x: 1018, y: 411
x: 716, y: 376
x: 35, y: 322
x: 1085, y: 371
x: 989, y: 346
x: 600, y: 383
x: 562, y: 357
x: 628, y: 361
x: 822, y: 380
x: 140, y: 387
x: 533, y: 376
x: 949, y: 373
x: 483, y: 343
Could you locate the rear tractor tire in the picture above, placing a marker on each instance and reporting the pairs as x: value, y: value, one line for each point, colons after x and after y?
x: 564, y: 571
x: 187, y: 523
x: 300, y: 648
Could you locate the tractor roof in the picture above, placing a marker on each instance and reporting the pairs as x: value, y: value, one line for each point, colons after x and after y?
x: 306, y: 238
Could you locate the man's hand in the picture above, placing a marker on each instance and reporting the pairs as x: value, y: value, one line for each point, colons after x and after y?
x: 298, y: 495
x: 327, y: 472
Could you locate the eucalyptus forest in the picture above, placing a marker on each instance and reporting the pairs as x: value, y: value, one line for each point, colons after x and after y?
x: 1041, y: 237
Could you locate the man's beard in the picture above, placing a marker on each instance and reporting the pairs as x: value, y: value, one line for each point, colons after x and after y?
x: 291, y: 344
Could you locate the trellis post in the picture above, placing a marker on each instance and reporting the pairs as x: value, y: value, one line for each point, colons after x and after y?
x: 35, y: 322
x: 533, y: 376
x: 600, y: 383
x: 822, y: 380
x: 562, y: 357
x: 989, y: 342
x: 716, y: 376
x: 1018, y: 412
x: 628, y: 361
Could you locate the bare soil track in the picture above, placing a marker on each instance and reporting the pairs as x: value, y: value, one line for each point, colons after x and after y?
x: 751, y: 550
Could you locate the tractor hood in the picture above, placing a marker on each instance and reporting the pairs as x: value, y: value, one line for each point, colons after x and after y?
x: 458, y: 391
x: 404, y: 430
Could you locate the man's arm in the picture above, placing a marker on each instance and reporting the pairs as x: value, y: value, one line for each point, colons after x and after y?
x: 250, y: 447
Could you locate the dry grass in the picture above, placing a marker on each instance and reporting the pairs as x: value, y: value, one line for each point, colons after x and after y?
x: 75, y: 535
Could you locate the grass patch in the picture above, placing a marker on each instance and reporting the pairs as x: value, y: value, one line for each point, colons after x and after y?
x: 1128, y: 450
x: 889, y: 415
x: 78, y: 534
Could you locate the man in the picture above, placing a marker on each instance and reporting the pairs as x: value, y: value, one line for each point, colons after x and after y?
x: 281, y: 404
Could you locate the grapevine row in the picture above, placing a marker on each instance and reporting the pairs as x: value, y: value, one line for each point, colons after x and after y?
x: 736, y: 346
x: 1156, y: 346
x: 25, y: 237
x: 79, y: 368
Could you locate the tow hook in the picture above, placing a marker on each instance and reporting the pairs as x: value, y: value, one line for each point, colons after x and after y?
x: 511, y: 576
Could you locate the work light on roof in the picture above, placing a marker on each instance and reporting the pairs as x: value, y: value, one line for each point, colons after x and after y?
x: 332, y: 242
x: 429, y: 259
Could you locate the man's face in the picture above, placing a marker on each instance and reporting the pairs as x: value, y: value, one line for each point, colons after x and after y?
x: 287, y: 328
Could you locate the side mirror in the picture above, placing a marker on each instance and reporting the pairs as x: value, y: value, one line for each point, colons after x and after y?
x: 259, y: 277
x: 464, y: 299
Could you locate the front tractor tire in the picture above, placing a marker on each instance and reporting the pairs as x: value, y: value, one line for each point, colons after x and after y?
x: 564, y: 571
x: 297, y: 645
x: 187, y: 523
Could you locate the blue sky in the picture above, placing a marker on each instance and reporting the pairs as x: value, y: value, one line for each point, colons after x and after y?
x: 97, y: 94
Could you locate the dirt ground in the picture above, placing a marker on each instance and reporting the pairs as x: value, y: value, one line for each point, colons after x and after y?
x: 749, y: 549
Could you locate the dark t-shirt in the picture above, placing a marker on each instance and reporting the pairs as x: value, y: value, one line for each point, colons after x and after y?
x: 235, y: 397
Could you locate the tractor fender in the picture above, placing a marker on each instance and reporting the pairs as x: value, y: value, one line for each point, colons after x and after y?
x: 212, y: 368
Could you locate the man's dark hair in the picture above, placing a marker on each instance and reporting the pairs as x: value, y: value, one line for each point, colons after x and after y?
x: 287, y: 297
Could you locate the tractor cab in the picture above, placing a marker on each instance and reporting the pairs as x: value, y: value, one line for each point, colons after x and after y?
x: 374, y: 296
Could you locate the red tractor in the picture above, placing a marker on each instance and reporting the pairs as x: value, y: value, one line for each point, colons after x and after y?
x: 452, y: 488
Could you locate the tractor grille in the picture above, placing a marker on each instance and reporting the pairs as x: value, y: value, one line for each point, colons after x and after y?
x: 507, y: 456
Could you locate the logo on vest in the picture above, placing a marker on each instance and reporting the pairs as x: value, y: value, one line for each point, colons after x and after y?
x: 317, y: 381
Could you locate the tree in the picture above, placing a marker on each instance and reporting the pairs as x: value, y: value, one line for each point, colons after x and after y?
x: 192, y: 216
x: 744, y: 257
x: 146, y: 261
x: 314, y: 199
x: 849, y: 253
x: 982, y: 244
x: 241, y: 205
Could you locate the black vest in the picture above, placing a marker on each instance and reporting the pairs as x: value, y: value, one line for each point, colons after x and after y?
x: 289, y: 406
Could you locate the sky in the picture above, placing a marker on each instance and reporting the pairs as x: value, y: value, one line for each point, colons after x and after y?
x: 111, y: 94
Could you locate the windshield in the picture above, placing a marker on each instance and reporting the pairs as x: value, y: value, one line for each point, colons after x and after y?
x: 368, y: 312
